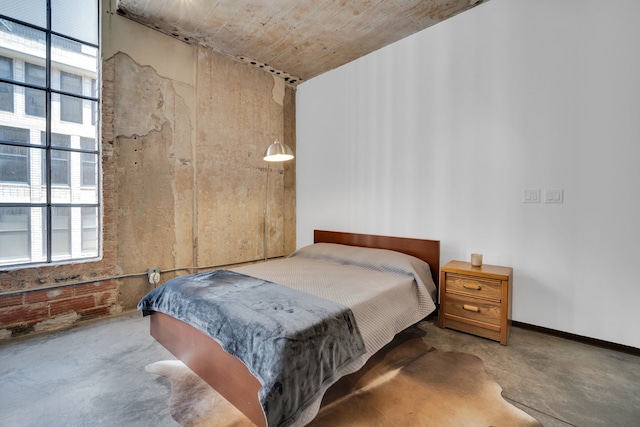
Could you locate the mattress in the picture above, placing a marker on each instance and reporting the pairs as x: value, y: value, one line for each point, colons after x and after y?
x: 387, y: 291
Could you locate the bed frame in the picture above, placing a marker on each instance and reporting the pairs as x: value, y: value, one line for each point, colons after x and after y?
x: 227, y: 374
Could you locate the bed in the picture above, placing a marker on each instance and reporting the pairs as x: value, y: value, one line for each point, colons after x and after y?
x: 381, y: 299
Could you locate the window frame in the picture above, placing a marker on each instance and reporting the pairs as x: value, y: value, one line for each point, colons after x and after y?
x: 29, y: 85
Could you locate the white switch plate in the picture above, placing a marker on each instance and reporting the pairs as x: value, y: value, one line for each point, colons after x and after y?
x: 531, y: 196
x: 554, y: 195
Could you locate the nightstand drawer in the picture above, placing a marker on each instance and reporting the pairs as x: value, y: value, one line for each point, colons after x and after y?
x: 473, y: 308
x: 473, y: 286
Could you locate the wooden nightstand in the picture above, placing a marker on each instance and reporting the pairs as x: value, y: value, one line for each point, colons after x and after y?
x: 476, y: 300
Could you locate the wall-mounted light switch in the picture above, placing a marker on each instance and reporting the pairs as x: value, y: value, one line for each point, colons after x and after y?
x: 531, y: 196
x: 554, y: 195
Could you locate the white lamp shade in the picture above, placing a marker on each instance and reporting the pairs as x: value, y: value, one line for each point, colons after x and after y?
x: 278, y: 152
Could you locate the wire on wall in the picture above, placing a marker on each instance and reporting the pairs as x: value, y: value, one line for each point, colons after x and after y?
x: 124, y: 276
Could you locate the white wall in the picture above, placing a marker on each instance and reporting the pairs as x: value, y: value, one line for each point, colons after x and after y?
x: 440, y: 133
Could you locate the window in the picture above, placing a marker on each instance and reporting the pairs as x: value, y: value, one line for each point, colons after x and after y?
x: 6, y: 89
x: 14, y: 164
x: 60, y: 167
x: 60, y: 233
x: 89, y: 163
x: 34, y: 102
x: 89, y: 230
x: 49, y: 156
x: 14, y: 233
x: 14, y: 160
x: 61, y: 236
x: 70, y: 106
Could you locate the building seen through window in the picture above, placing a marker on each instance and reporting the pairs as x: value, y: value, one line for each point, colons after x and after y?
x: 49, y: 132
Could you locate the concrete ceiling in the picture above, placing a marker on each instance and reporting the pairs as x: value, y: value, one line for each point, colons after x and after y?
x: 295, y: 39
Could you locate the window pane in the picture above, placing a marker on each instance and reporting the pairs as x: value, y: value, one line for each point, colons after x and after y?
x: 14, y: 134
x: 6, y: 67
x: 64, y: 19
x: 90, y: 231
x: 82, y: 58
x: 60, y: 168
x: 65, y: 46
x: 84, y: 129
x: 6, y: 97
x: 88, y: 143
x: 60, y: 231
x: 60, y: 172
x: 14, y: 235
x: 14, y: 164
x: 71, y: 83
x: 89, y: 169
x: 60, y: 140
x: 35, y: 74
x: 19, y: 169
x: 57, y: 140
x: 88, y: 191
x: 34, y: 102
x: 14, y: 160
x: 19, y: 42
x: 30, y: 11
x: 70, y: 109
x: 34, y: 98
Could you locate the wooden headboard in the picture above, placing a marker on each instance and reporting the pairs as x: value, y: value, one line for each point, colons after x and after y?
x: 426, y: 250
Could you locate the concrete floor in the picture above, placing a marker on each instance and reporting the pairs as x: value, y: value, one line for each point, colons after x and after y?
x: 93, y: 375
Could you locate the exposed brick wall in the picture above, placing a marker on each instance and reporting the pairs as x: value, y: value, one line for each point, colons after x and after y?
x: 43, y: 309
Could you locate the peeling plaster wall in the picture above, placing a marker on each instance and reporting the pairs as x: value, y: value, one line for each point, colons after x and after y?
x: 242, y: 112
x: 153, y: 130
x: 184, y: 184
x: 189, y: 137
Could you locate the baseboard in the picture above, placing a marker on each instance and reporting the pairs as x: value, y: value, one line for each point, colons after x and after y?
x: 579, y: 338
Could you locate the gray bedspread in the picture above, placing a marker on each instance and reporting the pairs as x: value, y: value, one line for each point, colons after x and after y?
x: 293, y: 342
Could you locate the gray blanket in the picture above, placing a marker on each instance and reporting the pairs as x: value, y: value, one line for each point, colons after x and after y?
x: 293, y: 342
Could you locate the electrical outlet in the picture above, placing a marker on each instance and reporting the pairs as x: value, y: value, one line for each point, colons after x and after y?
x: 154, y: 275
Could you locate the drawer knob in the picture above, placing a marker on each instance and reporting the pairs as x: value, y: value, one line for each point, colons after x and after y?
x: 471, y: 308
x: 473, y: 286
